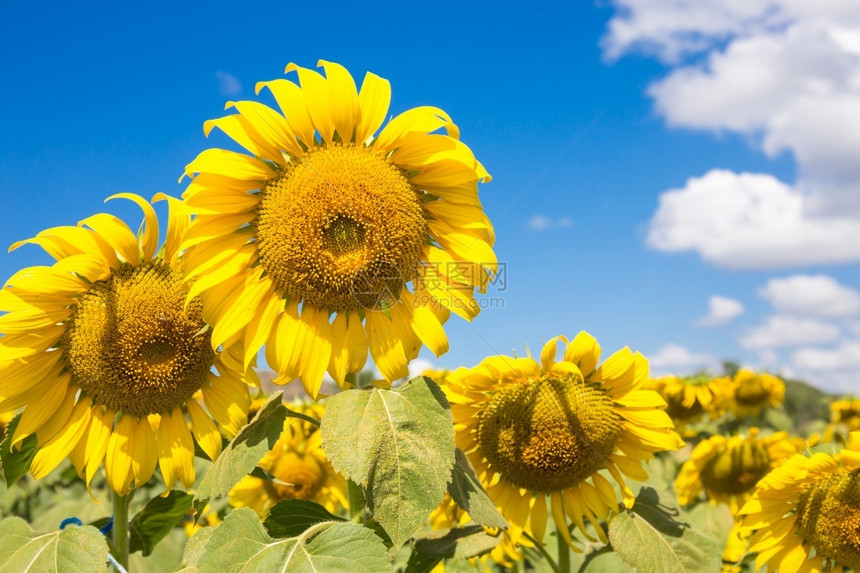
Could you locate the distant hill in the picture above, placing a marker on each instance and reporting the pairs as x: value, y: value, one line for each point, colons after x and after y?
x: 806, y: 403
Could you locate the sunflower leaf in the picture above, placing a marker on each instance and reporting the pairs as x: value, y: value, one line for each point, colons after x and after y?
x: 653, y: 536
x: 72, y: 549
x: 240, y: 543
x: 156, y: 520
x: 16, y: 464
x: 291, y: 517
x: 243, y: 452
x: 469, y: 494
x: 398, y: 445
x: 458, y: 543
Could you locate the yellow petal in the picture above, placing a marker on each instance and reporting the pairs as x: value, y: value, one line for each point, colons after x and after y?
x: 117, y: 232
x: 270, y: 125
x: 315, y: 91
x: 229, y: 164
x: 419, y: 120
x: 23, y: 322
x: 374, y: 99
x: 239, y: 312
x: 261, y: 325
x: 175, y: 450
x: 149, y: 237
x: 98, y: 437
x: 54, y: 403
x: 284, y: 349
x: 178, y: 219
x: 119, y: 455
x: 61, y: 444
x: 204, y: 430
x: 144, y: 452
x: 426, y: 325
x: 343, y: 100
x: 316, y: 345
x: 291, y: 100
x: 387, y: 342
x: 62, y: 242
x: 338, y: 366
x: 538, y: 517
x: 550, y: 349
x: 583, y: 351
x: 240, y: 130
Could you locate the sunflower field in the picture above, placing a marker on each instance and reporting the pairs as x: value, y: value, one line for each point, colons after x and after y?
x: 139, y: 434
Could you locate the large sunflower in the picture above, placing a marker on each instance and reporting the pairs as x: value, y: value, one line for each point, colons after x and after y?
x: 727, y: 469
x: 310, y: 243
x: 805, y: 515
x: 299, y: 468
x: 750, y: 392
x: 106, y: 355
x: 534, y: 430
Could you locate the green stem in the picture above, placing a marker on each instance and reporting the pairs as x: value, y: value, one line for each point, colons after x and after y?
x: 547, y: 556
x: 356, y: 501
x: 120, y: 528
x: 563, y: 553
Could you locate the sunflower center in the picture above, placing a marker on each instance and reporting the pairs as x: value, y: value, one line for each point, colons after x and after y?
x: 300, y: 477
x: 829, y: 516
x: 548, y: 434
x: 676, y: 410
x: 736, y: 470
x: 751, y: 393
x: 341, y: 229
x: 132, y: 346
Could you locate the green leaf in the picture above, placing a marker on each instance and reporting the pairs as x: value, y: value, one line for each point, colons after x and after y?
x: 650, y: 538
x: 469, y: 494
x: 194, y: 549
x: 459, y: 543
x: 156, y: 520
x: 243, y: 452
x: 291, y: 517
x: 398, y: 445
x: 16, y: 464
x: 240, y: 543
x: 713, y: 520
x: 73, y: 549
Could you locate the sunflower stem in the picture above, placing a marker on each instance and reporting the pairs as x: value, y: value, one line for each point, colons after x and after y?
x: 356, y: 501
x: 120, y: 528
x: 563, y: 554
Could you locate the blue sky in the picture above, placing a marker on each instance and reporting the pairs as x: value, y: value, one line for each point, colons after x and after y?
x: 584, y: 114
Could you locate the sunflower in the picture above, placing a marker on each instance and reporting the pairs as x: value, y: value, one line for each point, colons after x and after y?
x: 689, y: 398
x: 727, y: 469
x: 534, y: 430
x: 805, y: 514
x: 844, y: 419
x: 750, y: 392
x: 299, y: 468
x: 310, y: 243
x: 106, y: 355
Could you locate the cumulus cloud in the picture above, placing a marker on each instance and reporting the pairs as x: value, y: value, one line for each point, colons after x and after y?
x: 788, y: 331
x: 811, y: 295
x: 541, y: 223
x: 228, y: 84
x: 676, y: 359
x: 749, y: 221
x: 836, y: 368
x: 721, y: 310
x: 786, y: 74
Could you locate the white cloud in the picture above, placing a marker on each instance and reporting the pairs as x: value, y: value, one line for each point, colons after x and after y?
x: 675, y: 359
x: 786, y: 74
x: 835, y: 368
x: 721, y: 310
x: 541, y: 223
x: 228, y: 84
x: 749, y: 221
x: 787, y: 331
x: 811, y: 295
